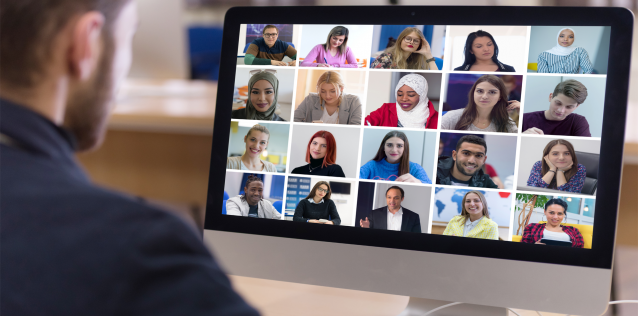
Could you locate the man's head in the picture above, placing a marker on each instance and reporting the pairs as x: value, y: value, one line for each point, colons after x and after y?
x: 74, y: 51
x: 567, y: 96
x: 394, y: 197
x: 270, y: 34
x: 254, y: 189
x: 470, y: 154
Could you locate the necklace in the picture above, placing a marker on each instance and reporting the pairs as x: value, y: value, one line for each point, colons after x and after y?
x: 311, y: 168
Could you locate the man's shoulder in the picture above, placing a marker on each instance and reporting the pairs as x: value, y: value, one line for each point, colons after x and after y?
x: 410, y: 213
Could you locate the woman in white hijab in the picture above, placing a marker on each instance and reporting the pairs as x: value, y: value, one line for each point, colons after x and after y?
x: 565, y: 57
x: 412, y: 109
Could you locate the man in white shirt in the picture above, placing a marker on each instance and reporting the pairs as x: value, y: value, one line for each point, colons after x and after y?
x: 393, y: 216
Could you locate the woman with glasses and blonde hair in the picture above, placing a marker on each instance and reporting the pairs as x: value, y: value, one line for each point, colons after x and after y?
x: 334, y: 53
x: 317, y: 207
x: 411, y: 51
x: 329, y: 105
x: 256, y: 142
x: 262, y: 100
x: 474, y: 221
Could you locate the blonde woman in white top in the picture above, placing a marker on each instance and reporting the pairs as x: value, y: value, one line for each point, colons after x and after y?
x: 256, y: 142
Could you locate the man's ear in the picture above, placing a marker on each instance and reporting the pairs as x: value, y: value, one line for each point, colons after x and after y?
x: 454, y: 155
x: 85, y: 47
x: 551, y: 96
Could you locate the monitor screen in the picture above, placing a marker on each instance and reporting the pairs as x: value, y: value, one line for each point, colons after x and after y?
x: 442, y: 138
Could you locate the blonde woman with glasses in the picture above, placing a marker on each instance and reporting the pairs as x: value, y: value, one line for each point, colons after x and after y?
x: 411, y: 51
x: 329, y: 104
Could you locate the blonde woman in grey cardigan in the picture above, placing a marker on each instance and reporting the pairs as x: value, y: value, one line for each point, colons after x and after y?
x: 256, y: 142
x: 330, y: 105
x: 252, y: 204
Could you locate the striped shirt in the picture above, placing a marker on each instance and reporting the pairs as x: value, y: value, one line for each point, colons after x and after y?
x: 573, y: 63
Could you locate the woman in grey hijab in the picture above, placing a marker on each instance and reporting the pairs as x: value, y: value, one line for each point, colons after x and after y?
x: 262, y: 99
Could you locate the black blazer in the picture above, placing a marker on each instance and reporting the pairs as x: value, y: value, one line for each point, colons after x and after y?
x: 410, y: 221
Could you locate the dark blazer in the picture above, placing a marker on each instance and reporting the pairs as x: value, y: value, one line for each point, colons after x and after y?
x: 409, y: 223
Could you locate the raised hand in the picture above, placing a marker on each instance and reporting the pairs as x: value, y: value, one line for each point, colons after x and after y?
x: 513, y: 104
x: 364, y: 224
x: 425, y: 49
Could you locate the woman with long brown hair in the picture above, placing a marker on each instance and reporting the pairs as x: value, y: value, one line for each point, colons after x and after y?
x: 474, y: 221
x: 411, y: 51
x: 559, y: 169
x: 334, y: 53
x: 486, y: 110
x: 317, y: 207
x: 392, y: 162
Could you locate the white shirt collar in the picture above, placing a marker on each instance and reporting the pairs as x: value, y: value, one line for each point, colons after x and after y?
x: 468, y: 222
x: 399, y: 212
x: 311, y: 200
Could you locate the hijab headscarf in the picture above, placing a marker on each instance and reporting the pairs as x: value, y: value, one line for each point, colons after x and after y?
x: 251, y: 112
x: 560, y: 50
x: 418, y: 116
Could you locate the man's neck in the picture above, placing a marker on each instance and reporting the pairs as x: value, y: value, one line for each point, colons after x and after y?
x: 547, y: 116
x: 48, y: 100
x: 394, y: 211
x: 458, y: 175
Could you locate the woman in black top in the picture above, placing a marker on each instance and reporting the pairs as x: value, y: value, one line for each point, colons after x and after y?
x: 321, y: 155
x: 317, y: 207
x: 481, y: 54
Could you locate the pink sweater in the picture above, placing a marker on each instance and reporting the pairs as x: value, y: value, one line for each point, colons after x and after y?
x: 318, y: 54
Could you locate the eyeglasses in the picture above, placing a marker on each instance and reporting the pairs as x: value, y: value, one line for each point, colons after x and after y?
x: 415, y: 41
x: 256, y: 71
x: 322, y: 190
x: 270, y: 34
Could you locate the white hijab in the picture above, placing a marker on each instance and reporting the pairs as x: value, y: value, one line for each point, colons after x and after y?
x: 560, y: 50
x: 418, y: 116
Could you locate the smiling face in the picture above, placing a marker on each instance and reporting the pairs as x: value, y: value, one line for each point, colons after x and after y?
x: 393, y: 199
x: 318, y: 148
x: 483, y: 48
x: 262, y: 95
x: 560, y: 106
x: 469, y: 159
x: 336, y: 41
x: 321, y: 192
x: 555, y: 215
x: 256, y: 143
x: 329, y: 93
x: 270, y: 36
x: 394, y: 147
x: 407, y: 98
x: 566, y: 38
x: 254, y: 192
x: 486, y: 95
x: 560, y: 156
x: 411, y: 42
x: 473, y: 205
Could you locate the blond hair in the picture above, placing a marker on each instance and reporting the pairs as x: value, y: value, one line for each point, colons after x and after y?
x: 333, y: 78
x: 407, y: 60
x: 259, y: 128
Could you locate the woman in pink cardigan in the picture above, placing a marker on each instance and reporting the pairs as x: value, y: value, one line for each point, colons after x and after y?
x: 334, y: 53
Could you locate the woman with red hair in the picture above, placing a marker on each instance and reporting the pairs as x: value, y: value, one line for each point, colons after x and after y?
x: 321, y: 155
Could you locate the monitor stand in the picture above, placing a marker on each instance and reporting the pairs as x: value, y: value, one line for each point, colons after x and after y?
x: 419, y: 306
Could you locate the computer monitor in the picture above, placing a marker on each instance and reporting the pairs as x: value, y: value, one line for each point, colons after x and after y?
x: 453, y: 190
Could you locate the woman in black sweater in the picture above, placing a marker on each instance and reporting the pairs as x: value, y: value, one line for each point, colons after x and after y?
x: 321, y: 155
x: 317, y: 207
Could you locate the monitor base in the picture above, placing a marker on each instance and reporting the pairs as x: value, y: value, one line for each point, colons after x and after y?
x: 419, y: 306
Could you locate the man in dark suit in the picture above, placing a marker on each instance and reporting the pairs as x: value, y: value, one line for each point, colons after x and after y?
x: 393, y: 216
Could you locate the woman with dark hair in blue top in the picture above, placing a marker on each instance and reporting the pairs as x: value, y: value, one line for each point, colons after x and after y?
x: 481, y: 54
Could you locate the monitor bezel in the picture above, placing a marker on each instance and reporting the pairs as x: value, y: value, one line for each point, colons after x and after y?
x: 617, y: 87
